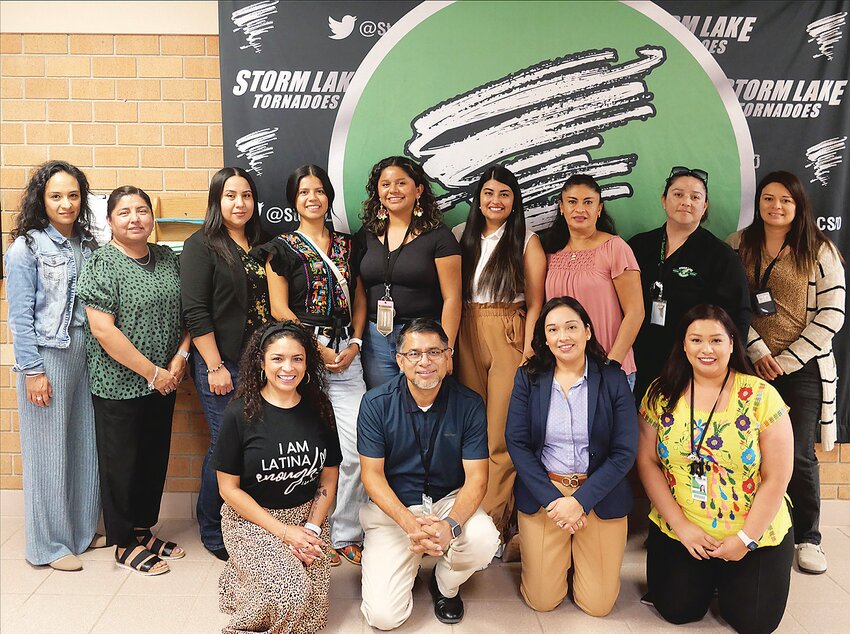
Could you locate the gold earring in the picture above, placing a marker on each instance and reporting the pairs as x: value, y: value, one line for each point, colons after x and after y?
x: 308, y: 378
x: 417, y: 209
x: 382, y: 213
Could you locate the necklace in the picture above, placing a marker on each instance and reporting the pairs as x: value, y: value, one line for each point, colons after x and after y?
x: 146, y: 262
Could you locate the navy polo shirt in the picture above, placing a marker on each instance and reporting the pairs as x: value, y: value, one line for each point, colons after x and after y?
x: 385, y: 429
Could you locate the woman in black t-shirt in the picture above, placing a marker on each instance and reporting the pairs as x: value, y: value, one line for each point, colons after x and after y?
x: 401, y: 215
x: 277, y: 460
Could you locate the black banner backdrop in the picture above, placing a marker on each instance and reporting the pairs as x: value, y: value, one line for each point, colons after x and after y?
x: 286, y: 68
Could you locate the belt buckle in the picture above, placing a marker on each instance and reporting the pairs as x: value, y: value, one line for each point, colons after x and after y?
x: 571, y: 481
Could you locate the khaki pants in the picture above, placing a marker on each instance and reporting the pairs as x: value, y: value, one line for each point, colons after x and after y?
x: 595, y: 551
x: 489, y: 353
x: 389, y: 568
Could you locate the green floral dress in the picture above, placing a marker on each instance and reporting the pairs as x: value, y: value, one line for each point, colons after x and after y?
x: 731, y: 453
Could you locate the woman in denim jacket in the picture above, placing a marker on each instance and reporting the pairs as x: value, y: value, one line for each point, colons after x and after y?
x: 51, y: 241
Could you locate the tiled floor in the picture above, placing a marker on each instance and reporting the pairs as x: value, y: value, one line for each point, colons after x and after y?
x: 106, y: 599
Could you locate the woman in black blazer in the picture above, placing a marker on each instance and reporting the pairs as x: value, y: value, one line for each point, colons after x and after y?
x: 572, y: 436
x: 225, y: 298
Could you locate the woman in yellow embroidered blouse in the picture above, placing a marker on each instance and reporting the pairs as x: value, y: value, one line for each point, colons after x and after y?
x: 715, y: 456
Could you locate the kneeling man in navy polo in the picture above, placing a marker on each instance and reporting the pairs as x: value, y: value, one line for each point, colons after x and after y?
x: 422, y: 439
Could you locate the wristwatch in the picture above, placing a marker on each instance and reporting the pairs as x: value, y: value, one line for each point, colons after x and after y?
x: 751, y: 544
x: 457, y: 529
x: 184, y: 354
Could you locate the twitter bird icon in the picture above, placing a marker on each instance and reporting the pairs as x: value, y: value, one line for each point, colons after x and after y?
x: 341, y: 29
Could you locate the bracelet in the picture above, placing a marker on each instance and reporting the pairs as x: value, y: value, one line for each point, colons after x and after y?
x: 184, y: 354
x: 312, y: 527
x: 356, y: 340
x: 216, y: 368
x: 153, y: 380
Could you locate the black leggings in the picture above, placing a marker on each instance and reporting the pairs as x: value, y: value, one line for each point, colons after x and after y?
x: 752, y: 592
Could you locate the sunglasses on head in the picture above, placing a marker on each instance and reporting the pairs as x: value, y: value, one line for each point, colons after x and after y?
x: 681, y: 170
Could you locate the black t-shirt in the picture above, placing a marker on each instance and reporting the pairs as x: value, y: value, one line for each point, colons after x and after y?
x: 704, y: 270
x: 415, y: 283
x: 278, y: 457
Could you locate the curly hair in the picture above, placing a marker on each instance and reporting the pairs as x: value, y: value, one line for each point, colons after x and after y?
x: 431, y: 217
x: 312, y: 388
x: 33, y: 213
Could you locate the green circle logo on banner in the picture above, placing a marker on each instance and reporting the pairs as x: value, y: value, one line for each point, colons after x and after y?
x: 619, y: 90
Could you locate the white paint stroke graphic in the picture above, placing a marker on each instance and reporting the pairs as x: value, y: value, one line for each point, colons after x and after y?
x: 542, y: 120
x: 824, y: 156
x: 254, y: 20
x: 256, y: 146
x: 827, y: 32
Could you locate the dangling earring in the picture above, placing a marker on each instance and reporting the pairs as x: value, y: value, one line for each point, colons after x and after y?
x: 417, y: 209
x: 382, y: 213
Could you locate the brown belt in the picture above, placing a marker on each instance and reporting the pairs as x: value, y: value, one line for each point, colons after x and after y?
x: 571, y: 480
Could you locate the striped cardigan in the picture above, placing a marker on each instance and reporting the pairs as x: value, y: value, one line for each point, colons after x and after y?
x: 824, y: 318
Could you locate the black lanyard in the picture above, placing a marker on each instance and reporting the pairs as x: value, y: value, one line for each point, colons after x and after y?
x: 697, y: 464
x: 427, y: 456
x: 761, y: 285
x: 657, y: 289
x: 389, y: 266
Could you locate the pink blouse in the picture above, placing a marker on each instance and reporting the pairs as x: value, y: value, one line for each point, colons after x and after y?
x: 588, y: 276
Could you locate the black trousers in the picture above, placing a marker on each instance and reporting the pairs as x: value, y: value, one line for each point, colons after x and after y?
x: 752, y: 592
x: 802, y: 392
x: 133, y: 442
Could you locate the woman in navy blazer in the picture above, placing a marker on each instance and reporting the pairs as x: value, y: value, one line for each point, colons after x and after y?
x: 572, y: 435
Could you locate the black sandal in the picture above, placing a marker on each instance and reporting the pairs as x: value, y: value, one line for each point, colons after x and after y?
x: 156, y: 545
x: 142, y: 563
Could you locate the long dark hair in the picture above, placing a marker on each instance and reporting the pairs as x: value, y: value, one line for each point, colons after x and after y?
x: 431, y: 217
x: 33, y: 213
x: 214, y: 230
x: 312, y: 388
x: 503, y: 275
x: 543, y: 359
x: 677, y: 372
x: 294, y: 181
x: 804, y: 237
x: 557, y: 236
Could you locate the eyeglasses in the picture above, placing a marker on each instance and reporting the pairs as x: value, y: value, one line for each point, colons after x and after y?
x: 681, y: 170
x: 414, y: 356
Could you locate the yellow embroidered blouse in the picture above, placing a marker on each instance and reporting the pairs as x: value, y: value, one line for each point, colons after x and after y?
x: 731, y: 453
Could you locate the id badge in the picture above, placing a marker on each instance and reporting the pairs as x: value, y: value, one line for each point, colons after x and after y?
x: 658, y: 313
x: 699, y: 490
x: 427, y: 504
x: 763, y: 303
x: 386, y: 313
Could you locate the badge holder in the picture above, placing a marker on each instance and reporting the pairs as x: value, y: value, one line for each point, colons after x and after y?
x: 763, y: 303
x: 427, y: 504
x: 658, y: 310
x: 386, y: 313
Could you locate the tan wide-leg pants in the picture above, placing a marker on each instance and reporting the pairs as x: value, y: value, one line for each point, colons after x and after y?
x: 489, y: 353
x: 595, y: 551
x: 389, y: 568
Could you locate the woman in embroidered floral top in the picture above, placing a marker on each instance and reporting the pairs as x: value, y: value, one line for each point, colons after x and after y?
x: 715, y: 455
x: 313, y: 280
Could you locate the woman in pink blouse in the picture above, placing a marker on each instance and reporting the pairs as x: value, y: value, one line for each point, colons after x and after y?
x: 588, y: 261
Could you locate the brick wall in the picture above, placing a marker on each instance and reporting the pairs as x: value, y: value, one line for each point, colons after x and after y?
x: 127, y: 109
x: 142, y: 110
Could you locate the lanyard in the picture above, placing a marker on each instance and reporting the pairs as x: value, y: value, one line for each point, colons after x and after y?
x: 761, y: 285
x: 697, y: 464
x: 427, y: 456
x: 389, y: 266
x: 658, y: 287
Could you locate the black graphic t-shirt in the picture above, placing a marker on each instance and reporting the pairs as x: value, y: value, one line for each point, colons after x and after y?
x: 278, y: 457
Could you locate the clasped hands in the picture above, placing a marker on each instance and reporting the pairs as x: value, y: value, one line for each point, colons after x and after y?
x: 567, y: 513
x: 429, y: 535
x: 703, y: 546
x: 303, y: 543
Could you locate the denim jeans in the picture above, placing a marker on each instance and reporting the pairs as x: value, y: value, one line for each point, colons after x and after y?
x: 378, y: 355
x: 631, y: 379
x: 209, y: 504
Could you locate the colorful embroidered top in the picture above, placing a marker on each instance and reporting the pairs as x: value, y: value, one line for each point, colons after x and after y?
x: 732, y: 455
x: 315, y: 296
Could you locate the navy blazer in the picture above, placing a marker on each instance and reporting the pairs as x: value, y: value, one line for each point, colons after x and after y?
x: 613, y: 433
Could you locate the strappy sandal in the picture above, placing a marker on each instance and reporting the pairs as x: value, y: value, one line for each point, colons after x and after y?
x: 351, y: 553
x: 143, y: 563
x: 158, y: 547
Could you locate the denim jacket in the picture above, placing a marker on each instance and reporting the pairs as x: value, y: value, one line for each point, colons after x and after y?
x: 41, y: 286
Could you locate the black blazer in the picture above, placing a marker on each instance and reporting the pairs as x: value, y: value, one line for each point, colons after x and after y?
x: 214, y: 294
x: 612, y: 420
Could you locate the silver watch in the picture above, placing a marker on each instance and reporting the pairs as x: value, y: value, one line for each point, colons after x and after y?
x: 457, y: 529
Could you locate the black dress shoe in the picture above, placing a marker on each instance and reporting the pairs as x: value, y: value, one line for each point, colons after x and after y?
x: 447, y: 610
x: 221, y: 553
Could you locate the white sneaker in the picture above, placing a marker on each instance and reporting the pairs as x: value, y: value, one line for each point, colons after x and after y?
x: 811, y: 559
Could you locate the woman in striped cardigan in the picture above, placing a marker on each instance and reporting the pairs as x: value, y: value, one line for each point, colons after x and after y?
x: 796, y: 277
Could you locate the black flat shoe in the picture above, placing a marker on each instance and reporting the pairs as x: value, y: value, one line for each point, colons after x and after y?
x: 447, y: 610
x: 221, y: 553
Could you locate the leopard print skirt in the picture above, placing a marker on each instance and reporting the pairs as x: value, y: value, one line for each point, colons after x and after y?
x: 263, y: 585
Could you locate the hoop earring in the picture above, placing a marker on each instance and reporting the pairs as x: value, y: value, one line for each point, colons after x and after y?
x: 382, y: 213
x: 417, y: 210
x: 308, y: 378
